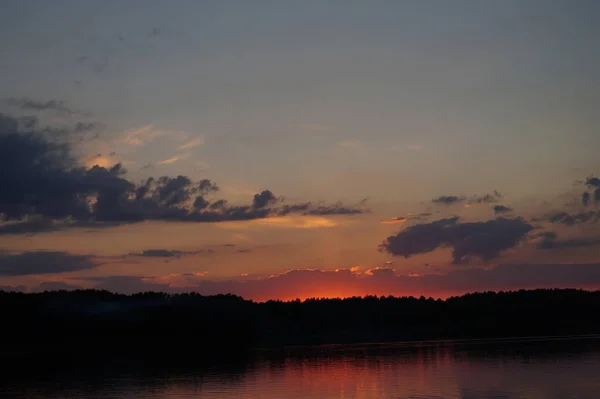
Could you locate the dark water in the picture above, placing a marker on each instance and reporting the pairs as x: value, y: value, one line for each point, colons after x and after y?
x: 533, y: 369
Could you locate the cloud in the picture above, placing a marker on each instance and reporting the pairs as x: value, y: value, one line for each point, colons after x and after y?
x: 404, y: 219
x: 263, y: 199
x: 414, y: 147
x: 569, y: 219
x: 174, y: 159
x: 592, y: 183
x: 335, y: 209
x: 395, y: 220
x: 502, y: 209
x: 163, y: 253
x: 29, y: 226
x: 193, y: 143
x: 140, y: 135
x: 300, y: 222
x: 43, y: 180
x: 36, y: 225
x: 473, y: 200
x: 486, y: 198
x: 43, y: 262
x: 550, y: 241
x: 448, y: 200
x: 484, y: 240
x: 34, y: 105
x: 307, y: 283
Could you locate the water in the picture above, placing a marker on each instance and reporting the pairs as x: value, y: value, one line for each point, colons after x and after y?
x: 532, y: 369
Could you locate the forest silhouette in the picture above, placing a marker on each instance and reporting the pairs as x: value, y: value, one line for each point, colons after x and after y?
x: 92, y: 321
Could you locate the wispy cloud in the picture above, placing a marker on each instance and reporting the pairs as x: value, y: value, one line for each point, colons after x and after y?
x: 35, y: 105
x: 138, y: 135
x: 285, y: 222
x: 145, y: 134
x: 193, y: 143
x: 394, y: 220
x: 174, y: 159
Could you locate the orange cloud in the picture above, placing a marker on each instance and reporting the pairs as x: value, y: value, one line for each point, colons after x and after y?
x: 191, y: 144
x: 144, y: 134
x: 287, y: 222
x: 173, y: 159
x: 395, y: 220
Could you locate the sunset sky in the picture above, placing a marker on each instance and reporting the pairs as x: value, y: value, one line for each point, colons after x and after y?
x: 380, y: 147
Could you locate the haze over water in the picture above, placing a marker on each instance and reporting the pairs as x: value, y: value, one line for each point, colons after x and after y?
x: 552, y: 369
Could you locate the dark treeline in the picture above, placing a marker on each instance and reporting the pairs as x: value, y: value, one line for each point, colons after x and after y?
x: 89, y: 320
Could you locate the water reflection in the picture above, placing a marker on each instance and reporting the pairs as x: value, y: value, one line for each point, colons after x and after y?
x: 496, y: 370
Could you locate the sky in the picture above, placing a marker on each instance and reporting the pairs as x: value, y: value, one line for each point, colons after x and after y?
x: 283, y: 149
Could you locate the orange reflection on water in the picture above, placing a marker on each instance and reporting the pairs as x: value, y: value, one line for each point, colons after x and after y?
x: 425, y: 371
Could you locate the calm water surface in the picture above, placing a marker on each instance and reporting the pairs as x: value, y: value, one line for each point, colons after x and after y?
x: 496, y: 370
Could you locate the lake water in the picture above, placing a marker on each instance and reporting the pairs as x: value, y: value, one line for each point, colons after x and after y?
x: 532, y: 369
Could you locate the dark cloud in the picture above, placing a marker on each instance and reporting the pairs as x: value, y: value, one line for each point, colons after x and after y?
x: 162, y: 253
x: 43, y: 262
x: 43, y: 225
x: 502, y: 209
x: 263, y: 199
x: 43, y: 180
x: 592, y: 183
x: 34, y: 105
x: 486, y: 198
x: 475, y: 199
x: 200, y: 203
x: 547, y: 235
x: 219, y: 204
x: 85, y: 127
x: 550, y: 241
x: 448, y: 200
x: 335, y: 209
x: 294, y: 208
x: 206, y: 186
x: 29, y: 227
x: 569, y: 219
x: 409, y: 217
x: 484, y: 240
x: 585, y: 198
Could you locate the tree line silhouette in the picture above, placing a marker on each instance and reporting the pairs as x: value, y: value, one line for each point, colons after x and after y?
x: 88, y: 321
